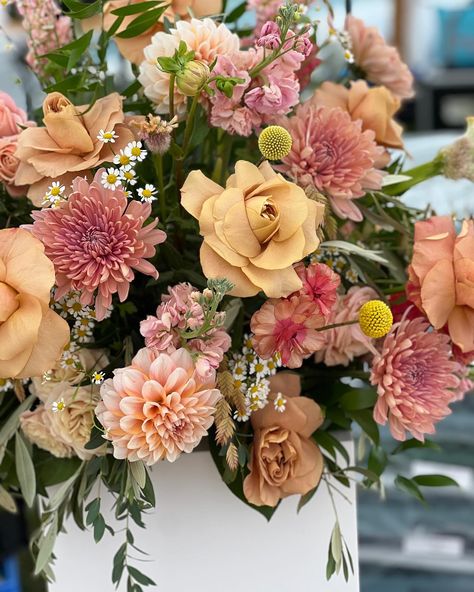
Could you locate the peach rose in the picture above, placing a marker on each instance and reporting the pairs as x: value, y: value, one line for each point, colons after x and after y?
x: 442, y: 277
x: 254, y: 229
x: 284, y: 459
x: 11, y: 116
x: 68, y: 144
x: 9, y: 165
x: 32, y: 336
x: 374, y: 106
x: 132, y: 48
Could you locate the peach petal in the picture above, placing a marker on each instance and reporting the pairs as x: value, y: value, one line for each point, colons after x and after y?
x: 438, y: 293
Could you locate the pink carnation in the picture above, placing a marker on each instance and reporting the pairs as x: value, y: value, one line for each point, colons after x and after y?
x: 380, y: 62
x: 331, y: 152
x: 158, y: 407
x: 96, y: 240
x: 288, y: 327
x: 343, y: 344
x: 414, y: 374
x: 320, y: 284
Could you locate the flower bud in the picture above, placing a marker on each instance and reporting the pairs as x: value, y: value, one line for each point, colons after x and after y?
x: 458, y: 158
x: 192, y: 78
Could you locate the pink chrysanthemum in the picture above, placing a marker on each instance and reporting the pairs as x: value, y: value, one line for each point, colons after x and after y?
x: 380, y: 62
x: 158, y: 407
x: 414, y: 374
x: 320, y: 284
x: 96, y: 240
x: 331, y: 152
x: 287, y: 327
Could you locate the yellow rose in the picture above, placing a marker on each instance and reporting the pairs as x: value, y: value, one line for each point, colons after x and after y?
x: 254, y: 230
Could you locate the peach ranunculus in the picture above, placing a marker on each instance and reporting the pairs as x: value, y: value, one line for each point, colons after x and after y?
x: 284, y: 459
x: 9, y: 165
x: 442, y: 277
x: 32, y: 336
x: 374, y: 106
x: 68, y: 145
x: 11, y: 116
x: 254, y: 230
x: 132, y: 48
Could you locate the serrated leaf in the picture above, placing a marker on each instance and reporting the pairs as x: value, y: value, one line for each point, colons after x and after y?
x: 409, y: 486
x: 6, y: 501
x: 138, y: 471
x: 435, y: 481
x: 25, y: 470
x: 46, y: 546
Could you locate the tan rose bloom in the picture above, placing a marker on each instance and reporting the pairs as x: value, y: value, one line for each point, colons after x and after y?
x: 374, y: 106
x: 284, y: 459
x: 36, y: 427
x: 32, y: 336
x: 254, y: 229
x: 68, y: 146
x: 9, y: 165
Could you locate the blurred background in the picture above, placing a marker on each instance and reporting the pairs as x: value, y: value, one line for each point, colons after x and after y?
x: 404, y: 546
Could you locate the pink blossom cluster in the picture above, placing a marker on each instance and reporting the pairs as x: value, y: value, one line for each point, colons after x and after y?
x: 47, y: 29
x: 180, y: 311
x: 267, y: 10
x: 291, y: 326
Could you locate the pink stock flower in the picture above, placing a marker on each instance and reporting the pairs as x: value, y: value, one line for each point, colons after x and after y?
x: 343, y: 344
x: 320, y: 284
x: 288, y: 327
x: 331, y: 152
x: 380, y: 62
x: 414, y: 374
x: 12, y: 118
x: 269, y: 36
x: 96, y: 240
x: 158, y: 407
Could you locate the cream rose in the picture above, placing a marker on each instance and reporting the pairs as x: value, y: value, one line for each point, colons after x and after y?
x: 254, y: 230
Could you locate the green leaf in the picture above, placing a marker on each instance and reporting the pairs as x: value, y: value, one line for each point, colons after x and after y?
x: 410, y: 444
x: 366, y: 421
x: 331, y: 563
x: 377, y: 460
x: 78, y: 10
x: 435, y: 481
x: 331, y: 444
x: 12, y: 423
x: 96, y: 439
x: 139, y: 577
x: 6, y: 501
x: 353, y: 249
x: 336, y: 546
x: 367, y: 473
x: 62, y: 491
x: 232, y: 310
x: 25, y: 470
x: 137, y: 8
x: 93, y: 511
x: 99, y: 528
x: 356, y: 400
x: 131, y: 90
x: 306, y: 498
x: 236, y: 13
x: 119, y: 564
x: 409, y: 486
x: 138, y: 472
x: 46, y: 545
x: 142, y: 23
x: 71, y: 82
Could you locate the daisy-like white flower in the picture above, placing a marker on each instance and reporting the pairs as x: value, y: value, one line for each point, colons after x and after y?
x: 259, y: 367
x: 5, y: 385
x: 349, y: 56
x: 257, y: 395
x: 242, y: 415
x: 135, y: 151
x: 81, y: 335
x: 147, y: 193
x: 239, y: 368
x: 352, y: 276
x: 248, y: 345
x: 128, y: 174
x: 69, y: 360
x: 106, y: 136
x: 111, y: 178
x: 54, y: 194
x: 58, y: 406
x: 279, y: 402
x: 273, y: 363
x: 98, y: 377
x: 122, y: 160
x: 74, y: 307
x: 240, y: 385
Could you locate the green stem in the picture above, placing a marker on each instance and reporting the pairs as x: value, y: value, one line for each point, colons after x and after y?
x: 171, y: 95
x: 158, y: 162
x: 336, y: 325
x: 418, y: 175
x: 222, y: 161
x: 190, y: 125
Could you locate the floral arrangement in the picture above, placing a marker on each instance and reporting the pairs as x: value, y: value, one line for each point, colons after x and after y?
x: 218, y: 251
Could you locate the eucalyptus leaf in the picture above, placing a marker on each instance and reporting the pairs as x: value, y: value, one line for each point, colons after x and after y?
x: 6, y: 501
x: 392, y: 179
x: 46, y: 545
x: 350, y: 248
x: 138, y: 472
x: 25, y: 470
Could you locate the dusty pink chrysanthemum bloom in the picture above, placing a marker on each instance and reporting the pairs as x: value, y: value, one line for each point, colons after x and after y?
x: 414, y: 374
x: 96, y: 240
x: 331, y: 152
x: 288, y: 327
x: 320, y: 284
x: 158, y: 407
x: 380, y: 62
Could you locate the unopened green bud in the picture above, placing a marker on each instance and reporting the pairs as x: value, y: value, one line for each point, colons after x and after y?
x: 192, y: 79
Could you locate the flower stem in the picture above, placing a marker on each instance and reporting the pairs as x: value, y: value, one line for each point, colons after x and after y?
x: 336, y: 325
x: 158, y: 162
x: 171, y: 95
x: 418, y: 175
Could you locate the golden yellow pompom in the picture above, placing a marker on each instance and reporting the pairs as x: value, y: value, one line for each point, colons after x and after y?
x: 275, y: 142
x: 375, y: 319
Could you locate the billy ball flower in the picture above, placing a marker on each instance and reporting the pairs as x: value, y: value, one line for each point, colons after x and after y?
x: 375, y: 319
x: 275, y: 142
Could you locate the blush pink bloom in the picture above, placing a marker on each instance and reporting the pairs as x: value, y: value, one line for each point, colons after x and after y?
x: 343, y: 344
x: 414, y: 374
x: 158, y: 407
x: 96, y: 240
x: 380, y: 62
x: 12, y: 118
x: 331, y: 152
x: 320, y: 285
x: 288, y: 327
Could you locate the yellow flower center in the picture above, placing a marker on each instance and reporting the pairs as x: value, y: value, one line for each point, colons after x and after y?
x: 60, y: 406
x: 136, y: 151
x: 108, y: 136
x: 146, y: 193
x: 55, y: 191
x: 375, y: 319
x: 128, y: 175
x: 124, y: 159
x: 111, y: 178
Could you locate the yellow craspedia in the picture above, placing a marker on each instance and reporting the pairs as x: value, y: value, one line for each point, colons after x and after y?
x: 275, y: 142
x: 375, y: 319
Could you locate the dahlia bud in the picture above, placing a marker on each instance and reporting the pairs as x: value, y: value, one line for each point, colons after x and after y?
x: 191, y: 80
x: 458, y: 158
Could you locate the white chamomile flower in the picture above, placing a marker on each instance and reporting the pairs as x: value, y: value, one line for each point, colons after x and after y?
x: 349, y: 56
x: 128, y: 174
x: 240, y: 385
x: 106, y: 137
x: 74, y: 307
x: 70, y: 360
x: 259, y: 367
x: 239, y: 369
x: 248, y: 345
x: 122, y: 160
x: 58, y: 406
x: 136, y: 151
x: 98, y: 377
x: 279, y: 403
x: 55, y: 192
x: 242, y: 414
x: 111, y: 178
x: 147, y: 193
x: 5, y: 385
x: 352, y: 276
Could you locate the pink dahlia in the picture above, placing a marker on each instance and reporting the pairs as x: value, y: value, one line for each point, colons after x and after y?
x: 331, y: 152
x: 96, y: 240
x: 320, y: 284
x: 414, y: 374
x: 158, y: 407
x: 380, y: 62
x: 288, y: 327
